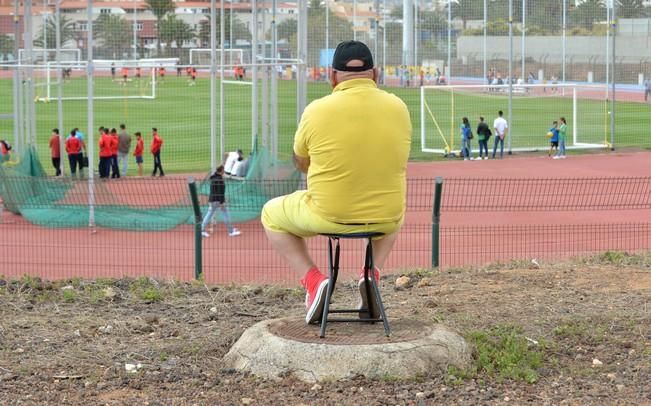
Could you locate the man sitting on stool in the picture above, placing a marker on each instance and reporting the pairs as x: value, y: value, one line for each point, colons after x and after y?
x: 354, y: 145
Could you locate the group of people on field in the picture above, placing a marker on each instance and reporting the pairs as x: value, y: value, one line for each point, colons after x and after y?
x: 501, y: 127
x: 114, y: 150
x: 557, y: 135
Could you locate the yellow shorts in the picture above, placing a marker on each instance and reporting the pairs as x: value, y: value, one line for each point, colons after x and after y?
x: 291, y: 214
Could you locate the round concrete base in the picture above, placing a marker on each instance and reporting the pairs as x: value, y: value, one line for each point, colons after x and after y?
x: 282, y: 347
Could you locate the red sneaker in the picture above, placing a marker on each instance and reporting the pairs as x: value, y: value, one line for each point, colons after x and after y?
x: 363, y: 304
x: 316, y: 289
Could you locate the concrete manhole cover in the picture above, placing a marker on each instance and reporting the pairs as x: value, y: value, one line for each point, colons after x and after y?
x: 284, y: 347
x: 344, y: 333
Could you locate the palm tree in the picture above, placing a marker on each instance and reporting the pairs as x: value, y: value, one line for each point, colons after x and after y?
x: 467, y: 10
x: 239, y: 29
x: 159, y: 8
x: 115, y: 33
x: 174, y: 30
x: 66, y: 28
x: 588, y: 12
x: 631, y: 9
x: 6, y: 44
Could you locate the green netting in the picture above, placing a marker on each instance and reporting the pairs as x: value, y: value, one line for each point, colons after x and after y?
x: 265, y: 179
x: 135, y: 204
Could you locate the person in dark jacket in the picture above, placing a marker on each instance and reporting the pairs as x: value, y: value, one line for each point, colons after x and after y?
x: 483, y: 134
x: 217, y: 200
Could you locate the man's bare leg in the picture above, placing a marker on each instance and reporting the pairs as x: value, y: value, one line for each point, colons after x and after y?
x: 293, y: 249
x: 382, y: 248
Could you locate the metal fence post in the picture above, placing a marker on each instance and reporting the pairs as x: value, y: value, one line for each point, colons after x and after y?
x: 436, y: 221
x: 197, y: 228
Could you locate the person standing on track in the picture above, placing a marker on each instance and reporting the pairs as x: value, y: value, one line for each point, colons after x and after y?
x: 73, y: 148
x: 124, y: 146
x: 140, y: 148
x: 483, y: 134
x: 105, y: 153
x: 217, y: 200
x: 354, y: 145
x: 501, y: 128
x: 156, y: 146
x: 115, y: 145
x: 55, y: 151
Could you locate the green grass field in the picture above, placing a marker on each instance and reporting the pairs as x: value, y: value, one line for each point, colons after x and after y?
x: 182, y: 115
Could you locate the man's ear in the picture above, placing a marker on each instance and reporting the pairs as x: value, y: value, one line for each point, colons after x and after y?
x: 375, y: 75
x: 333, y: 78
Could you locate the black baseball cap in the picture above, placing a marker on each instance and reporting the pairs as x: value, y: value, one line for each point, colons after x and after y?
x: 350, y: 50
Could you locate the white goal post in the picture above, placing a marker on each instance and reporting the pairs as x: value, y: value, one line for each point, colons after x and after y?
x: 201, y: 56
x: 42, y: 56
x: 534, y: 107
x: 145, y: 88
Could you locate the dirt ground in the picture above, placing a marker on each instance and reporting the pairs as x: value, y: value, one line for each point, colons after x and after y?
x: 71, y: 342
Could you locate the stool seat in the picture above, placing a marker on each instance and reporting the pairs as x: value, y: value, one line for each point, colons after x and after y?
x: 371, y: 234
x: 370, y: 285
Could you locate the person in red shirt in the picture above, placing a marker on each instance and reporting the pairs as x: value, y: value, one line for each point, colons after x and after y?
x: 125, y: 75
x: 193, y: 75
x: 161, y: 72
x: 73, y: 148
x: 156, y: 145
x: 138, y: 72
x: 105, y: 152
x: 55, y: 151
x: 140, y: 148
x: 4, y: 151
x: 115, y: 142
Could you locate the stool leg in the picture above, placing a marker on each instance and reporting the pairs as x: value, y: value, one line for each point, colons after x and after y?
x: 369, y: 265
x: 332, y: 275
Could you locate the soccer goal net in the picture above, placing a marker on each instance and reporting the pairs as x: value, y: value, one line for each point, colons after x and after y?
x: 201, y: 56
x: 534, y: 108
x: 112, y: 79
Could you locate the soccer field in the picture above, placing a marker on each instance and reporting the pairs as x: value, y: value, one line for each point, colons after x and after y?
x: 182, y: 115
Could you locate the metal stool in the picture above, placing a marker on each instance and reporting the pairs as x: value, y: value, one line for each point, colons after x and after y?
x: 333, y: 271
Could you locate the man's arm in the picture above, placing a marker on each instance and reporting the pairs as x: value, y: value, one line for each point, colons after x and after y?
x: 301, y: 163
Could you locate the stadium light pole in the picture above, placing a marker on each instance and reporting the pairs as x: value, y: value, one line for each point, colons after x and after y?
x: 327, y: 34
x: 510, y: 134
x: 30, y: 124
x: 254, y: 78
x: 522, y: 56
x: 416, y: 32
x: 564, y: 35
x: 354, y: 19
x: 384, y: 42
x: 612, y: 101
x: 57, y: 37
x: 222, y: 61
x: 301, y: 68
x: 18, y: 111
x: 230, y: 34
x: 448, y: 74
x: 135, y: 32
x: 485, y: 42
x: 274, y: 83
x: 213, y: 96
x: 91, y: 139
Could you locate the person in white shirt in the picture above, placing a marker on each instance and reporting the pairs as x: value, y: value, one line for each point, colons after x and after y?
x: 229, y: 160
x: 501, y: 128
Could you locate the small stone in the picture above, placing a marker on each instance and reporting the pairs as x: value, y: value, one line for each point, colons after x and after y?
x: 316, y: 387
x: 77, y: 333
x: 596, y: 363
x: 247, y: 401
x: 631, y: 351
x: 213, y: 309
x: 506, y: 398
x: 67, y: 287
x: 109, y: 292
x: 361, y: 389
x: 131, y: 368
x: 19, y: 350
x: 620, y: 387
x: 420, y: 395
x: 105, y: 329
x: 424, y: 282
x: 402, y: 282
x: 611, y: 376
